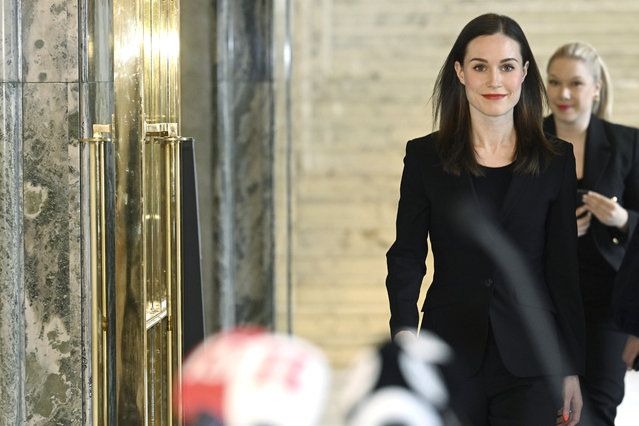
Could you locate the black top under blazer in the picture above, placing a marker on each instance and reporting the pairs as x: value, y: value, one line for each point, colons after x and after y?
x: 469, y: 296
x: 611, y: 168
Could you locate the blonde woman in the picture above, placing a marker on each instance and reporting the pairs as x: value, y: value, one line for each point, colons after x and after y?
x: 607, y: 165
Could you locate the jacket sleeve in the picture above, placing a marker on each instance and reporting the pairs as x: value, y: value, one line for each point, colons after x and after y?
x: 561, y: 266
x: 631, y: 191
x: 406, y: 257
x: 625, y: 296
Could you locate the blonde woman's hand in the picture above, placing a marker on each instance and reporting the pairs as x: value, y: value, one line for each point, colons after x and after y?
x: 605, y: 209
x: 583, y: 220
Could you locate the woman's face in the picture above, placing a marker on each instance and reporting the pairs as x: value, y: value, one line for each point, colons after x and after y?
x: 571, y: 90
x: 492, y: 73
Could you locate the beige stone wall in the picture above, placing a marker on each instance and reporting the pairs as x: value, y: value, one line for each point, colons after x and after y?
x: 363, y: 72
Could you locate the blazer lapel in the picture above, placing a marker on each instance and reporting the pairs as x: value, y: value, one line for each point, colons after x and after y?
x: 597, y: 152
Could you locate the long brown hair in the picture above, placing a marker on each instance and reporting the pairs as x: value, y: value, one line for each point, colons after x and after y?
x: 450, y: 104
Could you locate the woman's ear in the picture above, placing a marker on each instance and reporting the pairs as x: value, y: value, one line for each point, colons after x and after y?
x: 525, y: 70
x: 459, y: 70
x: 598, y: 88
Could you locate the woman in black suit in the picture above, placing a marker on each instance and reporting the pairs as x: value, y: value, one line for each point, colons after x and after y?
x: 491, y: 152
x: 607, y: 164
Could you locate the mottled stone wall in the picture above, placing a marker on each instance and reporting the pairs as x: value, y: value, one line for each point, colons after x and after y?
x: 243, y: 162
x: 11, y: 277
x: 52, y: 292
x: 43, y: 373
x: 236, y: 169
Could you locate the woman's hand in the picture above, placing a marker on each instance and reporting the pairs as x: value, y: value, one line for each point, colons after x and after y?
x: 405, y: 334
x: 570, y: 414
x: 607, y: 210
x: 631, y: 351
x: 583, y: 220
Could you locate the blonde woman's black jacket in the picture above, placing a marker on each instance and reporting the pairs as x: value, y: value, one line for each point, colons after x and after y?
x: 611, y: 168
x: 625, y: 298
x: 469, y: 295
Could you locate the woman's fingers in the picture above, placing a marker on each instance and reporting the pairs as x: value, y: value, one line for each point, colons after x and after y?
x: 583, y: 220
x: 605, y: 209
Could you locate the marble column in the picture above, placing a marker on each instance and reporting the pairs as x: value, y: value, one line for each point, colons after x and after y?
x: 11, y: 221
x: 43, y: 336
x: 243, y: 163
x: 237, y: 170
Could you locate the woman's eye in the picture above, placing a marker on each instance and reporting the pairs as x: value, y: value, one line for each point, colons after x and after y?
x: 553, y: 83
x: 577, y: 83
x: 508, y: 67
x: 479, y: 67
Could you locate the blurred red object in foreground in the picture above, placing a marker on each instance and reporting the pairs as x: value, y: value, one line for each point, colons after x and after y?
x: 248, y: 376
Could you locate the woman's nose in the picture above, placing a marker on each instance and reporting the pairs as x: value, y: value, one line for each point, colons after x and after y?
x: 495, y: 78
x: 564, y: 92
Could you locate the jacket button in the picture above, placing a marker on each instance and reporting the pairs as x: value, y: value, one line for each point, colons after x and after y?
x: 615, y: 240
x: 488, y: 282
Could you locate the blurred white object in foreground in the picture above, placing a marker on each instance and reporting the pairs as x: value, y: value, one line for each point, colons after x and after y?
x: 249, y: 376
x: 402, y: 382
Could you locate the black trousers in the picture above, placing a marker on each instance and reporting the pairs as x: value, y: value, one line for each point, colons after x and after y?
x: 506, y: 400
x: 603, y: 384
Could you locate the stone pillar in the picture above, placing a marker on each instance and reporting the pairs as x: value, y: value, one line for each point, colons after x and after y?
x: 11, y: 221
x: 47, y: 332
x: 236, y: 174
x: 44, y: 374
x: 243, y: 163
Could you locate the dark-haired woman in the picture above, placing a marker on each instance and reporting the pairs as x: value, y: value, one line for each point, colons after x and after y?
x: 491, y: 149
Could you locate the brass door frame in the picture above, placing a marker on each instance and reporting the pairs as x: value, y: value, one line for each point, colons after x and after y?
x: 147, y: 232
x: 97, y: 160
x: 163, y: 276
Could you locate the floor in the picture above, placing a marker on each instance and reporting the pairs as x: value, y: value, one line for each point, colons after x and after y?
x: 627, y: 414
x: 628, y: 411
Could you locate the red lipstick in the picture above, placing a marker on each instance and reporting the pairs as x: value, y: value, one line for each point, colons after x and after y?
x: 564, y: 107
x: 493, y: 96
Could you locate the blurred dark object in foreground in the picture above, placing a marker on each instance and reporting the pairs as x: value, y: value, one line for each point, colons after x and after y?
x: 407, y: 382
x: 192, y: 299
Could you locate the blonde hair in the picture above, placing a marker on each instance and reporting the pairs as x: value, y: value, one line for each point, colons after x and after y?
x: 587, y: 54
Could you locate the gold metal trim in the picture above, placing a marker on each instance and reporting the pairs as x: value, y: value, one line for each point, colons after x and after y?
x: 100, y: 129
x: 146, y: 66
x: 129, y: 86
x: 163, y: 242
x: 98, y: 271
x: 155, y: 312
x: 161, y: 129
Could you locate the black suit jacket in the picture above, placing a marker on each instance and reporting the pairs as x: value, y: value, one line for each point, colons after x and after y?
x: 625, y: 298
x: 611, y: 168
x: 469, y: 295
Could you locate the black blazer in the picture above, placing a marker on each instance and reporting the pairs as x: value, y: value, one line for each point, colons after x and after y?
x: 469, y: 295
x: 611, y: 168
x: 625, y: 297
